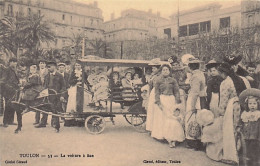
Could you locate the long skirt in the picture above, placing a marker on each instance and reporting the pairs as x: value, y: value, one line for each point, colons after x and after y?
x: 172, y: 129
x: 150, y: 111
x: 158, y: 122
x: 214, y: 104
x: 72, y: 103
x: 212, y: 135
x: 190, y: 117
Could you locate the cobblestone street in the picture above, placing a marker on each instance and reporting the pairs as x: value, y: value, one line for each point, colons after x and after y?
x: 118, y: 145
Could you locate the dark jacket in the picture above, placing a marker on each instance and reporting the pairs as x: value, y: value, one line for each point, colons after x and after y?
x: 213, y: 86
x: 166, y: 86
x: 32, y: 88
x: 66, y: 77
x: 58, y: 82
x: 10, y: 84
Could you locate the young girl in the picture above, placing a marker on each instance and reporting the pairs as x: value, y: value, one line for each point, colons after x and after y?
x: 251, y: 129
x: 174, y: 123
x: 100, y: 91
x: 137, y: 81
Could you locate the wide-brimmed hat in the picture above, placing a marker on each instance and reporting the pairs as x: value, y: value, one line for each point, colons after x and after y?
x: 205, y: 117
x: 102, y: 76
x: 248, y: 92
x: 185, y: 58
x: 224, y: 67
x: 155, y: 62
x: 211, y: 64
x: 129, y: 70
x: 193, y: 60
x: 233, y: 60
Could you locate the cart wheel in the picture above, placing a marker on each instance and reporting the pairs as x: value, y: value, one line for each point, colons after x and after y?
x: 138, y: 122
x: 135, y: 119
x: 136, y: 109
x: 95, y: 124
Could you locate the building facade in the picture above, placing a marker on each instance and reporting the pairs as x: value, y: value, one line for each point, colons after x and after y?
x: 67, y: 18
x: 202, y: 19
x: 250, y: 17
x: 133, y: 25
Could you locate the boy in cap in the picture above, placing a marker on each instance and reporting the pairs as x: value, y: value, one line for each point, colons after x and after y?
x: 53, y: 80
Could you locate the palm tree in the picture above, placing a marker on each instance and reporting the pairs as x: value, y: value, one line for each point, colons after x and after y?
x: 11, y: 35
x: 98, y: 46
x: 37, y: 32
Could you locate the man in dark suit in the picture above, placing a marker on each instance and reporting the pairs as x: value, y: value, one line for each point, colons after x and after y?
x: 53, y: 80
x: 66, y: 76
x: 10, y: 85
x: 62, y: 69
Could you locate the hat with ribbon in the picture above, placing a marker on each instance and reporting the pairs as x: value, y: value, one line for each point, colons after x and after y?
x: 233, y: 60
x: 211, y: 64
x: 224, y: 67
x: 193, y: 60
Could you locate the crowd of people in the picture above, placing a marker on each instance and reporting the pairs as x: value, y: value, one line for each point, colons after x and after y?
x: 212, y: 109
x: 220, y: 114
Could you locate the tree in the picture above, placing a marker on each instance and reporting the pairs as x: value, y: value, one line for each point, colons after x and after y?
x: 27, y: 33
x: 11, y: 36
x: 37, y: 32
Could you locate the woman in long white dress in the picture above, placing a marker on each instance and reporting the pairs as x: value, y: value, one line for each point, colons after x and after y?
x: 166, y: 96
x: 151, y: 100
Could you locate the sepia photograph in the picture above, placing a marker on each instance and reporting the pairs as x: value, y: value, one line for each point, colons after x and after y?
x: 130, y: 82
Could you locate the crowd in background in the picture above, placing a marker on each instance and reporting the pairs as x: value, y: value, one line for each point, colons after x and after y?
x: 212, y: 109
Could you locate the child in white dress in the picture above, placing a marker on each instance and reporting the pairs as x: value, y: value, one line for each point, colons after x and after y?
x: 173, y: 127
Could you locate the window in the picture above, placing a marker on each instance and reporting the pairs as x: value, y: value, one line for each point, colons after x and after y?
x: 91, y: 22
x: 224, y: 22
x: 10, y: 10
x: 39, y: 13
x: 205, y: 26
x: 114, y: 25
x: 250, y: 20
x: 63, y: 17
x: 183, y: 31
x: 71, y: 19
x: 63, y: 42
x: 167, y: 31
x: 193, y: 29
x: 29, y: 11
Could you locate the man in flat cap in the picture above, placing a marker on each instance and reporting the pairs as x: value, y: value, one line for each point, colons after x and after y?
x: 53, y: 80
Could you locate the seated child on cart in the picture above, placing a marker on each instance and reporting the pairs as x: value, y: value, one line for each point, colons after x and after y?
x: 101, y: 91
